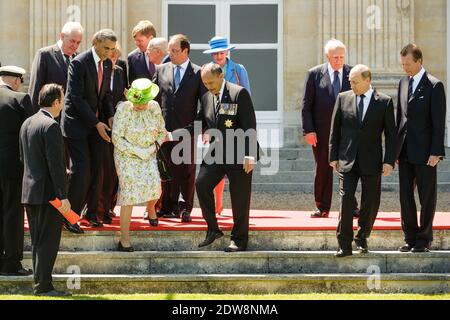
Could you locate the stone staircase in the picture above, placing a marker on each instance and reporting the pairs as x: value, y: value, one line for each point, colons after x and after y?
x: 277, y: 262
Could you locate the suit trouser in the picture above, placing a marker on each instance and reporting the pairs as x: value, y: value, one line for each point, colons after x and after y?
x: 323, y: 181
x: 240, y: 192
x: 183, y: 181
x: 86, y: 172
x: 45, y: 230
x: 11, y: 224
x: 108, y: 195
x: 370, y: 203
x: 425, y: 178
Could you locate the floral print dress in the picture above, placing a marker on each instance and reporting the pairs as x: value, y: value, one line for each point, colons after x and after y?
x: 134, y: 134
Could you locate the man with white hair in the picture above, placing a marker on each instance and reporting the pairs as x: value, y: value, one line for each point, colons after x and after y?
x: 158, y: 51
x: 51, y: 65
x: 323, y: 84
x: 361, y: 117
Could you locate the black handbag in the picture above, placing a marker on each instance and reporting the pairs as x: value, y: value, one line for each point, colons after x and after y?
x: 163, y: 164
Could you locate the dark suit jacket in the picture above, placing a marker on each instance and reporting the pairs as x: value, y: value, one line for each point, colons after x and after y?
x: 421, y: 120
x: 349, y: 139
x: 318, y: 99
x: 123, y: 64
x: 48, y: 67
x: 83, y: 100
x: 179, y: 108
x: 42, y: 153
x: 119, y: 86
x: 138, y: 66
x: 244, y: 119
x: 15, y: 107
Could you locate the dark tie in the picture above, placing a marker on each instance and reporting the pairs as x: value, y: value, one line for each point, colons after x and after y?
x: 217, y: 107
x: 100, y: 75
x: 410, y: 88
x: 67, y: 60
x: 336, y: 84
x: 151, y: 68
x: 177, y: 77
x: 361, y: 108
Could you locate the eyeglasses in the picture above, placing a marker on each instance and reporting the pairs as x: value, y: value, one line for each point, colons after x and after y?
x: 21, y: 79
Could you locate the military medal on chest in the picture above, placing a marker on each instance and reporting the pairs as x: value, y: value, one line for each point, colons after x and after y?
x: 229, y: 123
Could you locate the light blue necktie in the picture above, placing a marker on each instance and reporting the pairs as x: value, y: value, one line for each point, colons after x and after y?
x: 177, y: 77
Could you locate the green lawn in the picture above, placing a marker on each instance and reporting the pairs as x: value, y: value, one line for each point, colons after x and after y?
x: 240, y: 297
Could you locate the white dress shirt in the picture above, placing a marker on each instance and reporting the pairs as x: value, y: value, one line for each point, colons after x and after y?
x: 47, y: 112
x: 331, y: 73
x: 368, y: 96
x: 96, y: 59
x: 417, y: 79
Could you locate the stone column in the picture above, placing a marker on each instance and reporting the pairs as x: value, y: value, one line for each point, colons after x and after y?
x: 48, y: 16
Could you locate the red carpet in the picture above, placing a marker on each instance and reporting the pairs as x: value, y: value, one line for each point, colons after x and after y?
x: 266, y: 220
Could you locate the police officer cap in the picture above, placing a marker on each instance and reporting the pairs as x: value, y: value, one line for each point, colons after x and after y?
x: 12, y: 71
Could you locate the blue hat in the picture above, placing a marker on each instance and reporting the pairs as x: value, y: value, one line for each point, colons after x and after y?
x: 218, y: 44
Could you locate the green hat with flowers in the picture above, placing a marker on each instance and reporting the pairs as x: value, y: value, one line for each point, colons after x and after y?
x: 142, y: 91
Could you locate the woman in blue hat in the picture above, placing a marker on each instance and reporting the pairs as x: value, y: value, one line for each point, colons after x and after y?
x: 234, y: 73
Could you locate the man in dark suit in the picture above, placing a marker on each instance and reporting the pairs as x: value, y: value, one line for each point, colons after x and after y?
x: 15, y: 107
x: 51, y: 65
x: 108, y: 197
x: 421, y: 114
x: 138, y: 61
x: 86, y: 121
x: 180, y: 91
x: 323, y: 84
x: 360, y: 119
x: 227, y: 108
x: 44, y: 179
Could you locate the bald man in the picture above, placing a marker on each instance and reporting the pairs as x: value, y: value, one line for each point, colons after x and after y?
x: 360, y: 118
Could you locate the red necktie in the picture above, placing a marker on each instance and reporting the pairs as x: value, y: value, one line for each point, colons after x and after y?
x: 100, y: 75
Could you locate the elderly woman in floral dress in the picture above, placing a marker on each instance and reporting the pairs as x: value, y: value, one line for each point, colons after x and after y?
x: 138, y: 125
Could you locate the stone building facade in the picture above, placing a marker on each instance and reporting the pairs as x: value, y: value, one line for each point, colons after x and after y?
x: 277, y: 40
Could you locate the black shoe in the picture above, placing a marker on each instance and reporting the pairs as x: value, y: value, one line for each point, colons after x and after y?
x: 356, y: 213
x: 111, y: 214
x: 210, y: 237
x: 94, y: 223
x: 160, y: 214
x: 233, y: 247
x: 121, y: 248
x: 23, y: 272
x: 53, y: 293
x: 186, y: 217
x: 107, y: 219
x: 74, y: 228
x: 320, y: 214
x: 172, y: 215
x: 343, y: 253
x: 362, y: 246
x: 420, y: 249
x: 405, y: 248
x: 153, y: 222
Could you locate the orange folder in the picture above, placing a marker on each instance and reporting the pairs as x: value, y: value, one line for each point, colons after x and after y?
x: 71, y: 216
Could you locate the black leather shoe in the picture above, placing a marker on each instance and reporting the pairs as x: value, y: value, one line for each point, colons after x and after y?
x: 343, y: 253
x: 211, y: 236
x: 186, y: 217
x: 121, y: 248
x: 420, y: 249
x: 23, y: 272
x: 53, y: 293
x: 356, y: 213
x: 153, y: 222
x: 107, y: 219
x: 74, y: 228
x: 362, y: 246
x: 320, y: 214
x: 233, y: 247
x: 172, y: 215
x: 405, y: 248
x: 111, y: 214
